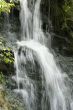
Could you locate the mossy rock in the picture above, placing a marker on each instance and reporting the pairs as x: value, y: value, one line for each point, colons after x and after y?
x: 6, y: 61
x: 9, y: 104
x: 4, y: 104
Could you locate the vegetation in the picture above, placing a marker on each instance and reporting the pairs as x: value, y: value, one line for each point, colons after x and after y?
x: 60, y: 13
x: 6, y: 61
x: 5, y: 7
x: 2, y: 78
x: 6, y: 55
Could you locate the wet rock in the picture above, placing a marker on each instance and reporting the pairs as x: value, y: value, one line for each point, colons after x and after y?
x: 4, y: 105
x: 9, y: 100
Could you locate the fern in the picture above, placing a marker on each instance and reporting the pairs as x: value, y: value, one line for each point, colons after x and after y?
x: 5, y: 7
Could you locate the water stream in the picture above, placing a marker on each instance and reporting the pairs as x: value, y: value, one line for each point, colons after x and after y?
x: 33, y: 47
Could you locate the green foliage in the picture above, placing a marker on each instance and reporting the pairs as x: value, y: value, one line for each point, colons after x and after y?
x: 61, y: 14
x: 7, y: 56
x: 5, y: 7
x: 68, y: 13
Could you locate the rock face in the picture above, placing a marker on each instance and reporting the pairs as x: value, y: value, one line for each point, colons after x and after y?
x: 9, y: 100
x: 4, y: 105
x: 60, y: 13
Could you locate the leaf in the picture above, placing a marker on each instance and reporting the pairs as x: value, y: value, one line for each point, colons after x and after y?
x: 5, y: 7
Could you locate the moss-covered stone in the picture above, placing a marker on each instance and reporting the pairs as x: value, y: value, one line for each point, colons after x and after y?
x: 9, y: 101
x: 6, y: 61
x: 4, y: 104
x: 2, y: 78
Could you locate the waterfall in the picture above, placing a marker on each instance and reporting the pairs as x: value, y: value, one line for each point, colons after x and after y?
x: 26, y: 20
x: 31, y: 49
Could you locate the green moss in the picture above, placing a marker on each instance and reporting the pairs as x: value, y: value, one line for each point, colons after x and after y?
x: 2, y: 78
x: 2, y: 41
x: 4, y: 104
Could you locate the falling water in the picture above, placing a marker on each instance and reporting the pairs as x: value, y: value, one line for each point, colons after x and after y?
x: 33, y: 47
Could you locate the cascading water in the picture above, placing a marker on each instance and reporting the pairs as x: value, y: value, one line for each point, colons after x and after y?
x: 33, y: 47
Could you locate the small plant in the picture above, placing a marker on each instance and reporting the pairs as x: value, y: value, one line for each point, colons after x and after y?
x: 6, y: 56
x: 5, y: 7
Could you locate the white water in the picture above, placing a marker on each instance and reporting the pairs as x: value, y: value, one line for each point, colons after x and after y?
x: 33, y: 46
